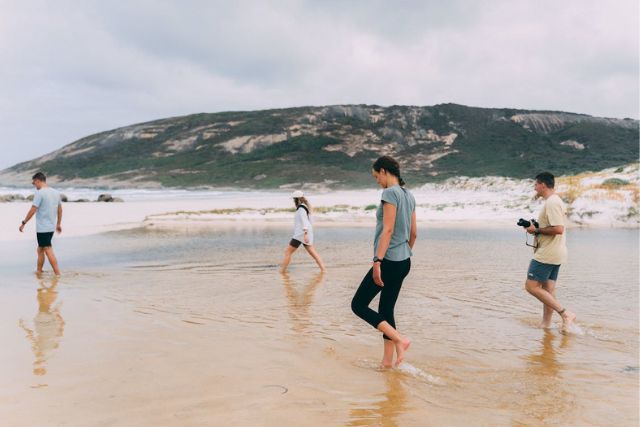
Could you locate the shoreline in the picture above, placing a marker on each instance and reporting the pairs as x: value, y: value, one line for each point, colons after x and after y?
x: 603, y: 200
x: 85, y: 219
x: 170, y: 221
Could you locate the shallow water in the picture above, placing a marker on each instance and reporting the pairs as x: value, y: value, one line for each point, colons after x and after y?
x: 193, y: 327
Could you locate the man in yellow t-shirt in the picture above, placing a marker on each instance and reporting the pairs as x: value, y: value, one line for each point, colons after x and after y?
x: 549, y: 253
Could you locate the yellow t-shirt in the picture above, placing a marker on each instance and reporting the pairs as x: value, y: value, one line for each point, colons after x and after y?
x: 552, y: 249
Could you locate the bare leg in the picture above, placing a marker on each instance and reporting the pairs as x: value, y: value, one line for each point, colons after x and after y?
x: 547, y: 312
x: 312, y: 251
x: 287, y: 258
x: 401, y: 343
x: 40, y: 264
x: 535, y: 288
x: 387, y: 357
x: 52, y: 260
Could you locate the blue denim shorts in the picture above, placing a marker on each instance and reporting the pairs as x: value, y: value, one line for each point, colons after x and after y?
x: 541, y: 272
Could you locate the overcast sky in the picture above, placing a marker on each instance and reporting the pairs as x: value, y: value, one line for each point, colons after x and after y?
x: 69, y: 69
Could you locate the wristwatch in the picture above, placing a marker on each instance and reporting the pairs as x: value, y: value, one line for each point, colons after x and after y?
x: 24, y: 223
x: 376, y: 259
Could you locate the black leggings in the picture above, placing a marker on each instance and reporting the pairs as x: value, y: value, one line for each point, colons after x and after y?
x: 393, y: 273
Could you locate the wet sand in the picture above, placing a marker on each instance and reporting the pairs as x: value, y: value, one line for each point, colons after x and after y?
x: 198, y: 328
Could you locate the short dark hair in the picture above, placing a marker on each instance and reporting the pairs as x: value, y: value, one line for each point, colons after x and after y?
x: 40, y: 177
x: 547, y: 179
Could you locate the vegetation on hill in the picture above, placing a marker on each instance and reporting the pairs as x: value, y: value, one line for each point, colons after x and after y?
x: 336, y: 146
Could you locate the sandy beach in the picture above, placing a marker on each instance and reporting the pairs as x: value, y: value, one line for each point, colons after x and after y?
x: 196, y: 327
x: 171, y: 311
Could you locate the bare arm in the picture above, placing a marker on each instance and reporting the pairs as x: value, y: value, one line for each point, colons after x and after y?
x: 552, y: 230
x: 30, y: 214
x: 59, y: 225
x: 389, y: 218
x: 414, y: 230
x: 556, y: 216
x: 389, y: 221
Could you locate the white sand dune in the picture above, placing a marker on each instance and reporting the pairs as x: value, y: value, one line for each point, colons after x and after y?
x: 459, y: 202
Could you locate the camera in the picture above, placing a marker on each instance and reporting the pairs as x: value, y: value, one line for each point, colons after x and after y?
x: 524, y: 223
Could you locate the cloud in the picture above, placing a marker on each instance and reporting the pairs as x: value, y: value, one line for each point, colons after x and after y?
x: 74, y: 68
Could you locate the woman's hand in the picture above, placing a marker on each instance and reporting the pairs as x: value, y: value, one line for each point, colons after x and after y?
x: 377, y: 274
x: 306, y: 237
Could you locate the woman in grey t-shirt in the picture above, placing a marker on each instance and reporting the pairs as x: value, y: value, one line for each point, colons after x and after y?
x: 396, y: 232
x: 302, y: 232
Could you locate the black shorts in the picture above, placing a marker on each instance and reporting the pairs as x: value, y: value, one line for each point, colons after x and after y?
x: 296, y: 243
x: 44, y: 239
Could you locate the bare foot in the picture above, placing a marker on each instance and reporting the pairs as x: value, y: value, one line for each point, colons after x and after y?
x: 568, y: 317
x: 401, y: 347
x: 386, y: 365
x: 544, y: 324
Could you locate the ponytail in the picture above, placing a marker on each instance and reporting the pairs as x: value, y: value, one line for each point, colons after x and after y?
x: 391, y: 165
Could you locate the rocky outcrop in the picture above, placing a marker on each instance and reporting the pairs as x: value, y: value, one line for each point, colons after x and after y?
x: 246, y: 144
x: 107, y: 198
x: 12, y: 198
x: 549, y: 122
x: 275, y: 148
x: 573, y: 143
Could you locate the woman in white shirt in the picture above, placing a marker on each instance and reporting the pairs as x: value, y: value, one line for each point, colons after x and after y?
x: 302, y: 232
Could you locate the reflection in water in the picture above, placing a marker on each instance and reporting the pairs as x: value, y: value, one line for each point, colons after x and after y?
x: 299, y: 302
x: 546, y: 398
x: 472, y: 328
x: 385, y: 411
x: 48, y: 324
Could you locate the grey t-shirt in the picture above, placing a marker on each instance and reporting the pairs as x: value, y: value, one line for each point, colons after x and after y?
x: 47, y: 201
x: 405, y: 204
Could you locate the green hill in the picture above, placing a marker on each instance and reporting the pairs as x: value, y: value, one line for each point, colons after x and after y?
x: 336, y: 145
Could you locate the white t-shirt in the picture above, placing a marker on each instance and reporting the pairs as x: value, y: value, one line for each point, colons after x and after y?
x: 301, y: 223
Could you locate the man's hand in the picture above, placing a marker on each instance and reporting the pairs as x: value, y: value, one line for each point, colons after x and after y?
x: 377, y: 274
x: 531, y: 229
x: 21, y: 228
x: 59, y: 229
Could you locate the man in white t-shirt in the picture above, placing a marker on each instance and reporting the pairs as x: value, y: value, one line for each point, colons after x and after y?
x: 47, y: 207
x: 549, y: 253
